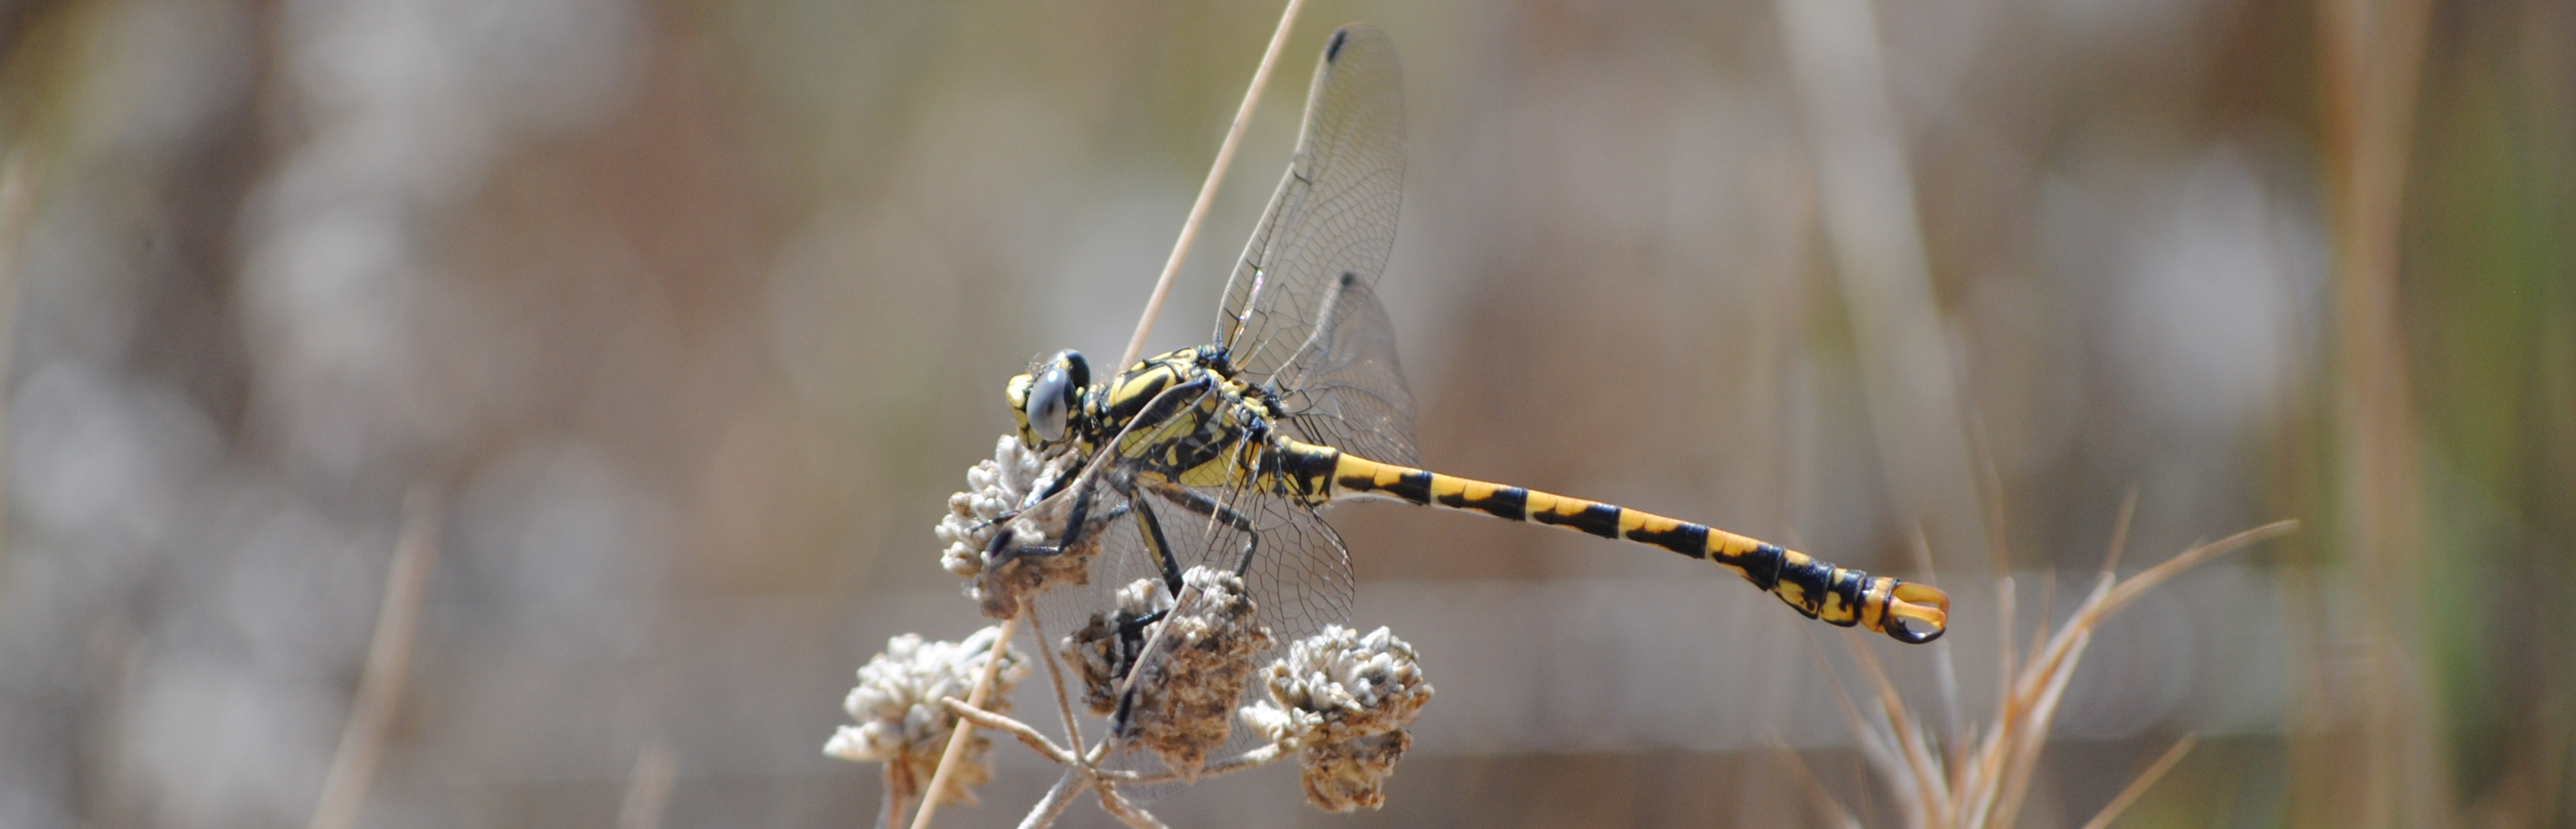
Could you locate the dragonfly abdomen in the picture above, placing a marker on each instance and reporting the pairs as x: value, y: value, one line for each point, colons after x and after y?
x: 1817, y: 589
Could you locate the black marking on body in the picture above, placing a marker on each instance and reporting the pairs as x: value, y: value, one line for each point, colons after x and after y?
x: 1814, y: 579
x: 1509, y: 502
x: 1685, y: 538
x: 1309, y: 468
x: 1596, y: 518
x: 1762, y: 567
x: 1851, y: 586
x: 1413, y: 486
x: 1334, y: 50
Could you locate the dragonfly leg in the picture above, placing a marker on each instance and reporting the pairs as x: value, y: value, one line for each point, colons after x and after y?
x: 1206, y: 506
x: 1160, y: 547
x: 1001, y: 550
x: 1131, y: 647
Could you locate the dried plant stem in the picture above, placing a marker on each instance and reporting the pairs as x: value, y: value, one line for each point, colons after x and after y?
x: 2033, y: 701
x: 1824, y: 801
x: 2371, y: 53
x: 1985, y: 788
x: 1933, y: 800
x: 956, y: 751
x: 1085, y: 766
x: 1215, y: 179
x: 362, y: 737
x: 1052, y: 806
x: 649, y: 788
x: 1055, y: 677
x: 896, y: 801
x: 17, y: 210
x: 1866, y: 191
x: 1027, y: 736
x: 1127, y: 813
x: 2145, y: 780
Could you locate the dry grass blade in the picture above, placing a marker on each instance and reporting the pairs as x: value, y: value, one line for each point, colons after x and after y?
x: 1823, y: 800
x: 1878, y: 746
x: 957, y: 738
x: 1930, y: 781
x: 1986, y: 789
x: 17, y: 211
x: 1215, y: 179
x: 2128, y: 590
x: 2146, y: 780
x: 371, y: 714
x: 648, y: 789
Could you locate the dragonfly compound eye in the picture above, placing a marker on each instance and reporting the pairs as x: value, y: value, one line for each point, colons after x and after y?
x: 1049, y: 401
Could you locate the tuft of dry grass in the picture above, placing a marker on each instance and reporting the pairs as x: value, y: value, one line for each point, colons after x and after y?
x: 1983, y: 783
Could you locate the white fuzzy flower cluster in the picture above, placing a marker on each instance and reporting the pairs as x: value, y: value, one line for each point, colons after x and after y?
x: 1342, y: 700
x: 901, y: 722
x: 994, y: 487
x: 1007, y: 485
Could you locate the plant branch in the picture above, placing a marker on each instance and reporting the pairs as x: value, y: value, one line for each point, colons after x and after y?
x: 1207, y: 191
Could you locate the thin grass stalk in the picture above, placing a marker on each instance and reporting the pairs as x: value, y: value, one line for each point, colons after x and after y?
x: 1931, y: 784
x: 2370, y: 55
x: 1207, y: 190
x: 371, y: 711
x: 17, y: 210
x: 1824, y: 801
x: 1945, y: 670
x: 2145, y: 780
x: 1055, y: 677
x: 2047, y: 613
x: 958, y: 736
x: 1876, y: 745
x: 648, y: 787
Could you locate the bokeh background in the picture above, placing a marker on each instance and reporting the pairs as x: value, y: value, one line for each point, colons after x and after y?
x: 675, y: 323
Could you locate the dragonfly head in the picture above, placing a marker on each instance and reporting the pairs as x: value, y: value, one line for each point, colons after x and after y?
x: 1045, y: 398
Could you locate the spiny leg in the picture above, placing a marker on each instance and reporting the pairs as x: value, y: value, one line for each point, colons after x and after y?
x: 1156, y: 544
x: 1203, y: 505
x: 1000, y: 550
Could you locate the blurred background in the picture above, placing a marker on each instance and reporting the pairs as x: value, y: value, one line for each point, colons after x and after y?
x: 677, y: 322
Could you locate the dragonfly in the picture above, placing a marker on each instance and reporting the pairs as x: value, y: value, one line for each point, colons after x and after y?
x: 1223, y: 455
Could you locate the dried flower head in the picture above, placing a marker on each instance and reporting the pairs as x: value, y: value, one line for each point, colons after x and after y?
x: 1105, y: 647
x: 999, y: 497
x: 901, y: 722
x: 1343, y: 699
x: 1193, y: 668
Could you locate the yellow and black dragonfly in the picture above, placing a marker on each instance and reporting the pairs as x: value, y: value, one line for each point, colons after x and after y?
x: 1221, y: 455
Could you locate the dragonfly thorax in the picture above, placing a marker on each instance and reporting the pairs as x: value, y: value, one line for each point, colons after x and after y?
x: 1057, y: 406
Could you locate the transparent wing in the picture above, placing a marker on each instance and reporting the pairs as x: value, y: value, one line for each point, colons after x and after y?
x: 1300, y: 315
x: 1347, y: 390
x: 1293, y: 565
x: 1298, y: 577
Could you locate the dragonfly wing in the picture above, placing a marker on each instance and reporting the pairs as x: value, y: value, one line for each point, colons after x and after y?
x: 1294, y: 569
x: 1333, y: 217
x: 1344, y: 388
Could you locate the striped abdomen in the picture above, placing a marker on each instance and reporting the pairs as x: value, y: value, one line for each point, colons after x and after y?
x: 1839, y: 595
